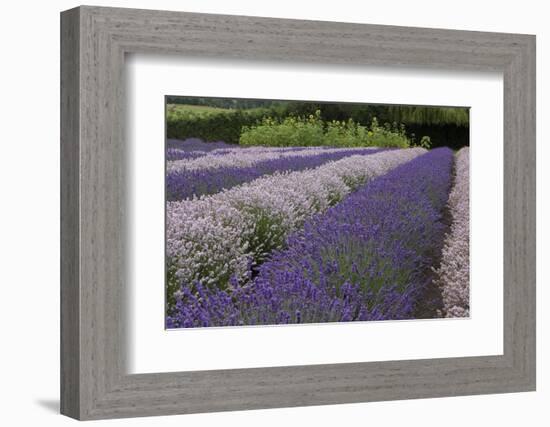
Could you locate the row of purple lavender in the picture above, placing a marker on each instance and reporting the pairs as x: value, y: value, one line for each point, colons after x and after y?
x: 367, y: 257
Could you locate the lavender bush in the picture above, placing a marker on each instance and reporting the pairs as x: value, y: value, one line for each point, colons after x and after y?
x: 365, y: 258
x: 195, y: 149
x: 178, y: 154
x: 453, y: 275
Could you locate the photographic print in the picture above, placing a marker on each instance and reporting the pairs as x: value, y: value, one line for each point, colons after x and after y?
x: 294, y: 212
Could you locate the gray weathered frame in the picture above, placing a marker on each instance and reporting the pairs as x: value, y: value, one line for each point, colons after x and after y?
x: 94, y: 41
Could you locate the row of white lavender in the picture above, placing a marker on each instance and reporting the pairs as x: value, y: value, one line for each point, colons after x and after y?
x: 453, y: 273
x: 231, y: 149
x: 246, y: 157
x: 214, y: 238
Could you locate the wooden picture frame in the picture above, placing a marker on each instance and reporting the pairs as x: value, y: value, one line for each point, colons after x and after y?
x: 94, y: 41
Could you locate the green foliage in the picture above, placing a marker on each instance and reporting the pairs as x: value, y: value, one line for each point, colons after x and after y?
x: 346, y: 134
x: 288, y: 132
x: 351, y: 134
x: 172, y: 285
x: 425, y: 142
x: 268, y: 233
x: 312, y: 131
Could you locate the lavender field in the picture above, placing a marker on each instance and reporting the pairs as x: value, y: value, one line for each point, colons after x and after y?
x: 263, y: 235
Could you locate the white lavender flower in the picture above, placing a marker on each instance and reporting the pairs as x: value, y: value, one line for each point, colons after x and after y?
x: 453, y: 273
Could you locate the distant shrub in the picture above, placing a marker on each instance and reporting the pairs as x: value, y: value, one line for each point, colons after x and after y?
x: 312, y: 131
x: 346, y: 134
x: 291, y: 131
x: 425, y: 142
x: 352, y: 134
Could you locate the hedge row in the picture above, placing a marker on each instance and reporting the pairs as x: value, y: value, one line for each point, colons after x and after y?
x: 213, y: 126
x: 364, y: 113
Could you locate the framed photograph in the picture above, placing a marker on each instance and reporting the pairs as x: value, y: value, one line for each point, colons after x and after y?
x: 261, y: 213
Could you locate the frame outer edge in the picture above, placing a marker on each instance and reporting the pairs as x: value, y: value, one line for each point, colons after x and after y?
x: 527, y: 172
x: 520, y: 215
x: 70, y: 396
x: 532, y: 300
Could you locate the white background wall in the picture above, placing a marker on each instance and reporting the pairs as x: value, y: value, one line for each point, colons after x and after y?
x: 29, y: 214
